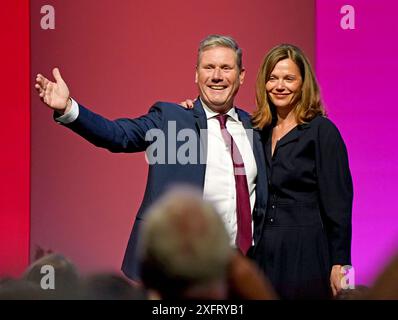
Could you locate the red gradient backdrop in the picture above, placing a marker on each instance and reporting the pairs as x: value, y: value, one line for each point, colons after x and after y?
x: 15, y: 137
x: 119, y: 57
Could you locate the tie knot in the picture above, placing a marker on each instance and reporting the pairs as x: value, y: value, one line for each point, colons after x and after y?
x: 222, y: 118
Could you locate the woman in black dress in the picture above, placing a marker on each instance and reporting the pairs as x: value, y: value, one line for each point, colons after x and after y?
x: 306, y: 237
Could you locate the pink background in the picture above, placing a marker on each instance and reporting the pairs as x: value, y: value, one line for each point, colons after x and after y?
x: 118, y: 58
x: 357, y: 70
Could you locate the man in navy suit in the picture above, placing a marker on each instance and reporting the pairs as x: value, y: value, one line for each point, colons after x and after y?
x: 190, y: 146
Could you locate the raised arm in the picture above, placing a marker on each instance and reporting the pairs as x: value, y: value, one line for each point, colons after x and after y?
x: 120, y: 135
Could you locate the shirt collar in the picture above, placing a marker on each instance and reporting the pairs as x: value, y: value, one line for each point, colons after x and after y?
x: 211, y: 114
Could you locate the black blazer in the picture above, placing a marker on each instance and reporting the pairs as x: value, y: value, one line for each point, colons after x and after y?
x: 128, y: 135
x: 308, y: 221
x: 310, y: 166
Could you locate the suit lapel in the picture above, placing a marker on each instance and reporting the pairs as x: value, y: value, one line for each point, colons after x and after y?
x: 200, y: 116
x: 257, y: 139
x: 267, y: 139
x: 245, y: 118
x: 201, y: 128
x: 291, y: 136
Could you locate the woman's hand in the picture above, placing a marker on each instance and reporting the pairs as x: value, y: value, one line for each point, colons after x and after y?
x: 188, y: 104
x: 335, y: 279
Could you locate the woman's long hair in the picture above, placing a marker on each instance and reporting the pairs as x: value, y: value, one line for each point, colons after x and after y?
x: 307, y: 102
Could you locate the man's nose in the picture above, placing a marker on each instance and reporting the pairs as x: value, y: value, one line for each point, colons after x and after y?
x: 217, y: 75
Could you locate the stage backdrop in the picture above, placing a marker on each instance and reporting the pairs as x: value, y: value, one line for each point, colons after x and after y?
x: 118, y: 58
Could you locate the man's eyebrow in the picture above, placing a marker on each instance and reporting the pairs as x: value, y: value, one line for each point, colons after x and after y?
x: 208, y: 64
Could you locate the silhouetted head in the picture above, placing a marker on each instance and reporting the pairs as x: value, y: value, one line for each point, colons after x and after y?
x: 185, y: 247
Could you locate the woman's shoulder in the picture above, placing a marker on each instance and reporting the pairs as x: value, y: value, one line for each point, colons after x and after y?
x: 323, y: 123
x: 325, y: 128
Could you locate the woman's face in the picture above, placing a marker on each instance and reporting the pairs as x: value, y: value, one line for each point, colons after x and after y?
x: 284, y: 82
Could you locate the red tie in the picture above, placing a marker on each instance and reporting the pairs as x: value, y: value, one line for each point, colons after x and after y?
x: 243, y: 212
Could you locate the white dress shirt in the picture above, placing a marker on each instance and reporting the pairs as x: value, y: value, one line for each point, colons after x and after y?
x: 71, y: 115
x: 219, y: 188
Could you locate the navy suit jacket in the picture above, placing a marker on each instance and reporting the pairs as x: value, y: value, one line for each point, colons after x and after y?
x: 128, y: 135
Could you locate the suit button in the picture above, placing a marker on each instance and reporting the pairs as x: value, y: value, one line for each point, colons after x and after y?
x: 271, y: 220
x: 273, y: 206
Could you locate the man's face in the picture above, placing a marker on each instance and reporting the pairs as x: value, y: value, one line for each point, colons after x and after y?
x: 218, y: 78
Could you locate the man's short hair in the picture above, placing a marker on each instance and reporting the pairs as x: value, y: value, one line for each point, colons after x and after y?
x: 215, y: 40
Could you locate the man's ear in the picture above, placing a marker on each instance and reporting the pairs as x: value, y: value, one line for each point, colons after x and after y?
x: 196, y: 75
x: 242, y: 75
